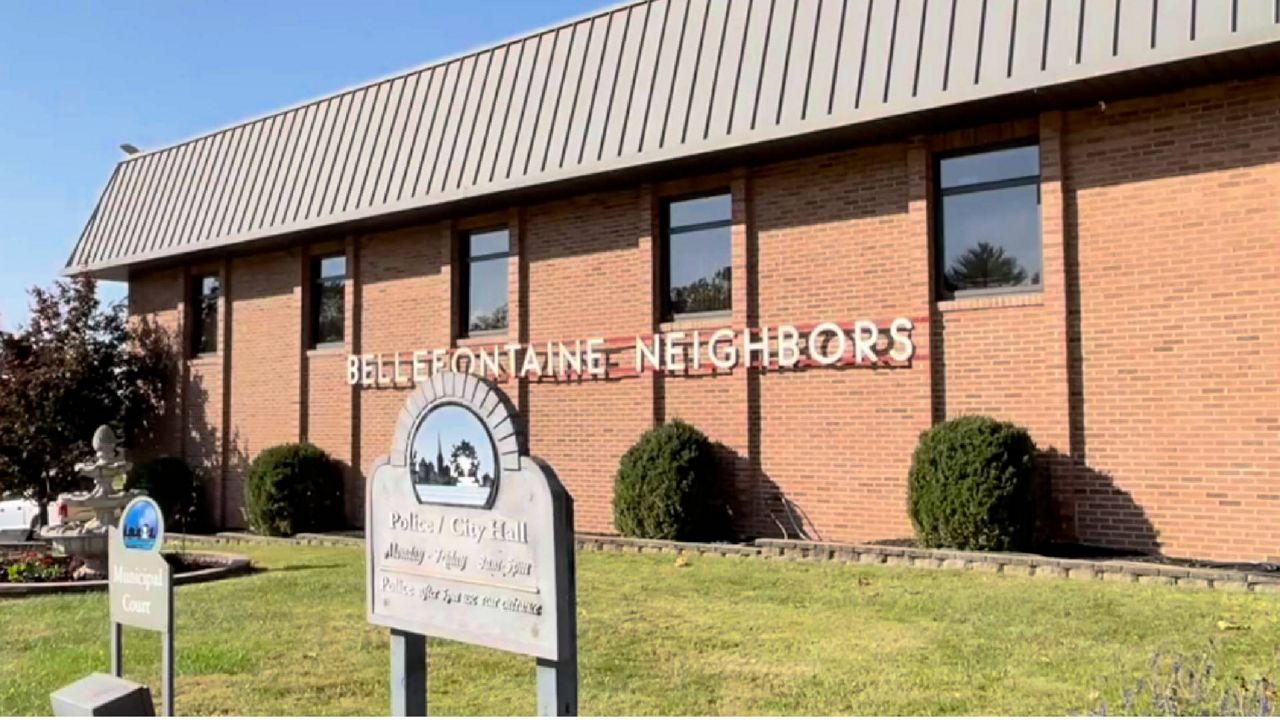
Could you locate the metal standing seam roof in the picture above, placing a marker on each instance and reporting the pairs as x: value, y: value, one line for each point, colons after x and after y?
x: 628, y: 86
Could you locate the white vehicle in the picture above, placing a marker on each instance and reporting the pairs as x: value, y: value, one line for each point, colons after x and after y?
x: 19, y: 517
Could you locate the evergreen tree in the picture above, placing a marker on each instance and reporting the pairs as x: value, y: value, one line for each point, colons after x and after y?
x: 983, y: 266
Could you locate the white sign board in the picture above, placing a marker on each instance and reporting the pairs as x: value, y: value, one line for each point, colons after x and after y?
x: 139, y: 579
x: 468, y: 538
x: 140, y: 585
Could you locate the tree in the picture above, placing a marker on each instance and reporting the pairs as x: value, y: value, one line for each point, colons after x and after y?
x: 464, y: 460
x: 984, y: 265
x: 75, y: 366
x: 704, y: 294
x: 496, y: 320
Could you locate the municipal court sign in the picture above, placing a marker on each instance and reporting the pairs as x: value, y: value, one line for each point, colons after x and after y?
x: 140, y: 586
x: 470, y: 539
x: 139, y: 580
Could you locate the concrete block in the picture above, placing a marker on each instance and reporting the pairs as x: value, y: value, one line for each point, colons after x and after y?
x: 1210, y: 574
x: 103, y: 695
x: 1083, y: 572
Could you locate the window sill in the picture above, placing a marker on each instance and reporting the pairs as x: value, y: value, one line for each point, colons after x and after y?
x: 701, y: 321
x: 327, y: 349
x: 986, y: 302
x: 499, y: 337
x: 206, y: 359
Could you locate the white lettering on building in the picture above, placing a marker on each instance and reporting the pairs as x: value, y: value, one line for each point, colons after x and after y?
x: 678, y: 351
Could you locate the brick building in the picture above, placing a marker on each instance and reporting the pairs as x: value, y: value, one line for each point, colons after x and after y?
x: 1073, y: 205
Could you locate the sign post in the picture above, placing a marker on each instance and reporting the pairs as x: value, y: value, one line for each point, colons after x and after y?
x: 140, y: 586
x: 468, y: 538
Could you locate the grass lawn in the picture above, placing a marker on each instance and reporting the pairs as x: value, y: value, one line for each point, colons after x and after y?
x: 720, y: 636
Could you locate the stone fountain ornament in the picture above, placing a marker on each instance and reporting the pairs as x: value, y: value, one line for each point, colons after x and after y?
x: 470, y: 539
x: 87, y: 539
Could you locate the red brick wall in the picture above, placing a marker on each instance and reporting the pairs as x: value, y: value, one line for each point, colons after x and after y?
x: 1174, y: 205
x: 838, y: 239
x: 404, y: 300
x: 328, y: 418
x: 266, y: 350
x: 204, y: 439
x: 1145, y: 368
x: 156, y: 301
x: 588, y: 276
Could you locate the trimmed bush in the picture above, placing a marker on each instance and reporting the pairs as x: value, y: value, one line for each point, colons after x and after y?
x: 665, y: 487
x: 175, y: 488
x: 294, y: 488
x: 972, y: 486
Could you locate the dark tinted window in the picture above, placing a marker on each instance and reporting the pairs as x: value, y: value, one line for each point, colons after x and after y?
x: 699, y: 247
x: 204, y: 311
x: 485, y: 280
x: 328, y: 299
x: 989, y: 222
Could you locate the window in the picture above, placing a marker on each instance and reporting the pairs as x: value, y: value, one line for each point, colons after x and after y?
x: 698, y: 246
x: 989, y: 221
x: 484, y: 281
x: 328, y: 300
x: 205, y: 291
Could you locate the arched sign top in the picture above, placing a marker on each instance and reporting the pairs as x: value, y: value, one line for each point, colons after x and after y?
x: 451, y: 409
x: 142, y: 525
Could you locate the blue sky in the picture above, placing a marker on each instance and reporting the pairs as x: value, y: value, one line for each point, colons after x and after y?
x: 79, y: 78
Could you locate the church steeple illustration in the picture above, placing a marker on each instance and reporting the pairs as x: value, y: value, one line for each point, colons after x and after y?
x: 439, y: 456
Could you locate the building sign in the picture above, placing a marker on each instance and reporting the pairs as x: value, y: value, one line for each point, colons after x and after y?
x: 140, y: 586
x: 139, y: 579
x: 783, y: 346
x: 467, y: 537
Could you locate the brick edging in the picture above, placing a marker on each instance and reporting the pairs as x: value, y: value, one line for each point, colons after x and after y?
x: 244, y: 538
x: 1019, y: 564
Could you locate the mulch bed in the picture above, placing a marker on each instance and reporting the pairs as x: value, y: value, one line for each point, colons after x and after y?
x: 35, y: 566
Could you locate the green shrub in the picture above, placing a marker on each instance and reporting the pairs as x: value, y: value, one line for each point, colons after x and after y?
x: 665, y: 487
x: 175, y: 488
x: 294, y: 488
x: 972, y: 486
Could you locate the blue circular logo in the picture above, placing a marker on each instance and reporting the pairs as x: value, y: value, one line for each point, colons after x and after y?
x: 142, y: 526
